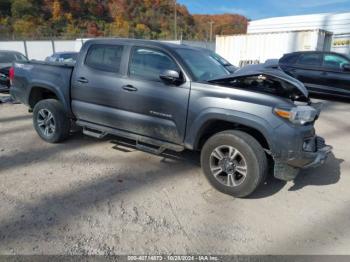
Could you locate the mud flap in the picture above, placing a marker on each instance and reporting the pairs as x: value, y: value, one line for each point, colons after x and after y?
x: 285, y: 172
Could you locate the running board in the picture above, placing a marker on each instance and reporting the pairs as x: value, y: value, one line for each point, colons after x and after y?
x: 149, y: 149
x: 142, y: 142
x: 94, y: 133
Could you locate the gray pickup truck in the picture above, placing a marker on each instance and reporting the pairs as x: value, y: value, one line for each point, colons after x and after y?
x: 175, y: 97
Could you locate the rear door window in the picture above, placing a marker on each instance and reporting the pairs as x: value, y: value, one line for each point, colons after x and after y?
x: 310, y: 60
x: 105, y: 57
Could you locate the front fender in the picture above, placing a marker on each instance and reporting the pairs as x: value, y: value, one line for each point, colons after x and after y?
x: 197, y: 127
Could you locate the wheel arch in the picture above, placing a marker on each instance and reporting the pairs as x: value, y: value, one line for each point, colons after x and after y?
x: 213, y: 127
x: 205, y: 127
x: 39, y: 92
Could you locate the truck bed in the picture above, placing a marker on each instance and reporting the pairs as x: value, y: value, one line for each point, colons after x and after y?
x: 30, y: 75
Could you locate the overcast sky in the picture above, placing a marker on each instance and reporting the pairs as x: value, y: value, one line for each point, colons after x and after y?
x: 256, y: 9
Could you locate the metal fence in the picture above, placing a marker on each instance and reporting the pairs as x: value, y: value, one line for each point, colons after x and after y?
x: 40, y: 49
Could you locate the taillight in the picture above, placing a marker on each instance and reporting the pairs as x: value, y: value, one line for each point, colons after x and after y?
x: 12, y: 74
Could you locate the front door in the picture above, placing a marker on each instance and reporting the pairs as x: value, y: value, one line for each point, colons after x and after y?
x: 154, y: 108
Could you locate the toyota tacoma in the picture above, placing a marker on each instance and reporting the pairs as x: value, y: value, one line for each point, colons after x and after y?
x: 175, y: 97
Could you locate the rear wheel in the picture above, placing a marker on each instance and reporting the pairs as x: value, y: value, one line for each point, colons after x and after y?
x: 234, y: 163
x: 50, y: 121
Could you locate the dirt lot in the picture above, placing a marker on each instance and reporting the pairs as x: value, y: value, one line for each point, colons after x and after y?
x: 88, y: 197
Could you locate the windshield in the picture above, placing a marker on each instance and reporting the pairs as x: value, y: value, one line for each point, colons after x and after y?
x: 223, y: 61
x: 218, y: 58
x: 203, y: 65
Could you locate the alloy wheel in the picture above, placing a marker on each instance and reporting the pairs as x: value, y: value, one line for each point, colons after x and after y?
x: 228, y: 166
x: 46, y: 122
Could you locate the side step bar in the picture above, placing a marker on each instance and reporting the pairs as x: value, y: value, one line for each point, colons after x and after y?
x: 142, y: 142
x: 93, y: 133
x: 155, y: 151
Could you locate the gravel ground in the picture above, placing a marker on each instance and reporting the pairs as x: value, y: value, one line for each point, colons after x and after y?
x: 90, y: 196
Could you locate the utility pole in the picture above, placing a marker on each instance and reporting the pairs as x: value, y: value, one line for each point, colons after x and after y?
x: 211, y: 31
x: 175, y: 19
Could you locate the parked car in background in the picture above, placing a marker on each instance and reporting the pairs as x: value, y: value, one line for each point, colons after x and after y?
x: 63, y: 57
x: 321, y: 72
x: 6, y: 60
x: 167, y: 96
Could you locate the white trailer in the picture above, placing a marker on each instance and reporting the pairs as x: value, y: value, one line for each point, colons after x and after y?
x: 257, y: 48
x: 337, y: 23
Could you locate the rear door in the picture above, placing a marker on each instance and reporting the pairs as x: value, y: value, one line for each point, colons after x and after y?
x: 97, y: 85
x: 334, y: 78
x: 308, y: 69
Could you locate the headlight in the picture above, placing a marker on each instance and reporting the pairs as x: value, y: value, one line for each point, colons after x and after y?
x: 298, y: 115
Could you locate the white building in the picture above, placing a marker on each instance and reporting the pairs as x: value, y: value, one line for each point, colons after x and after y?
x: 272, y: 37
x: 336, y: 23
x: 258, y: 47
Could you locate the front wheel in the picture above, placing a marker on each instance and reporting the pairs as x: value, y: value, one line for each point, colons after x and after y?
x: 234, y: 163
x: 50, y: 121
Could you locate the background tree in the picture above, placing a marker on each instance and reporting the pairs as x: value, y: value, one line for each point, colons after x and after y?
x: 56, y: 10
x: 226, y: 24
x: 5, y: 8
x: 22, y: 8
x: 150, y: 19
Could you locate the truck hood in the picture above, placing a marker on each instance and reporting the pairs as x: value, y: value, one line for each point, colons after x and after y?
x: 295, y: 89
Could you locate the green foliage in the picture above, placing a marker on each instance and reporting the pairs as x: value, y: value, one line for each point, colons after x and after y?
x: 25, y: 28
x: 149, y: 19
x: 5, y: 27
x: 22, y: 8
x: 226, y: 24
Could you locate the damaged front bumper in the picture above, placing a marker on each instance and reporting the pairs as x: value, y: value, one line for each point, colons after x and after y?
x: 289, y: 169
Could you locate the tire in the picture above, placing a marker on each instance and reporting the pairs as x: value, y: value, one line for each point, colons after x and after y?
x: 243, y: 171
x: 56, y: 122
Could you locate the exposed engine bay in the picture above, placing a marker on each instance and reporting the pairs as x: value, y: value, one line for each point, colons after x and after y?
x: 266, y: 78
x: 267, y: 84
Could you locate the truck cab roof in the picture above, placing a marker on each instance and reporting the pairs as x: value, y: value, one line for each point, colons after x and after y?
x: 154, y: 43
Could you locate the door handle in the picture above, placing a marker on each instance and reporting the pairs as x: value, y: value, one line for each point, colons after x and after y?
x: 83, y: 80
x: 130, y: 88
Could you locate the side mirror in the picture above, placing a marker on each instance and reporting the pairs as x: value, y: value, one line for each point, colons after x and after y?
x: 171, y: 77
x: 346, y: 67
